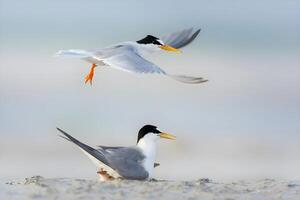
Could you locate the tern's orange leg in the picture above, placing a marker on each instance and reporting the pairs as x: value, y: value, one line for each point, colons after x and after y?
x: 89, y: 77
x: 104, y: 176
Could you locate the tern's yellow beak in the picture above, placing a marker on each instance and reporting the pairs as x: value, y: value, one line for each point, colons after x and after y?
x: 169, y: 48
x: 167, y: 136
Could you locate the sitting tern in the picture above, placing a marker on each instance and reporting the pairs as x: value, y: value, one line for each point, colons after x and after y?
x: 128, y: 56
x: 135, y: 163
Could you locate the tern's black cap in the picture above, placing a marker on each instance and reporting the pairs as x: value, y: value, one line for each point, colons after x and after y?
x: 147, y: 129
x: 149, y: 39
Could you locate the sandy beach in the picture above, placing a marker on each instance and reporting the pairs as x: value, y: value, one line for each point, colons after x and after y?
x: 237, y: 135
x: 38, y: 187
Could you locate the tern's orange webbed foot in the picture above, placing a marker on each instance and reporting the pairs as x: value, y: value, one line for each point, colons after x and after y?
x: 89, y: 77
x: 104, y: 176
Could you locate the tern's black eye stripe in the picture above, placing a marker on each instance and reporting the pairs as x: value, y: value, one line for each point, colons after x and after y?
x: 156, y: 131
x: 156, y: 42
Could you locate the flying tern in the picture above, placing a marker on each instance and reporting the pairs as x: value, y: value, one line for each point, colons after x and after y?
x: 128, y: 56
x: 135, y: 163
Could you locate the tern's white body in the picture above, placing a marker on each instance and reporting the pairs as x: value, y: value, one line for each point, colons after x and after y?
x: 148, y: 147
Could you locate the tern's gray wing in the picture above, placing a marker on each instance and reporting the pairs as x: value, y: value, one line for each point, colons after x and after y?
x: 181, y: 38
x: 127, y: 161
x: 113, y: 148
x: 126, y: 58
x: 108, y: 147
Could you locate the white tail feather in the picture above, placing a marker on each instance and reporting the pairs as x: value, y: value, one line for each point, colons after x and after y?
x: 78, y: 53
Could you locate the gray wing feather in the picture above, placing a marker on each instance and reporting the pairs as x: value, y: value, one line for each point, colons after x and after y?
x: 187, y: 79
x: 181, y: 38
x: 95, y: 153
x: 127, y: 162
x: 178, y: 39
x: 130, y: 61
x: 107, y: 147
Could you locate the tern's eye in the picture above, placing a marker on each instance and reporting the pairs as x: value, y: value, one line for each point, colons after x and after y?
x: 156, y: 131
x: 156, y: 42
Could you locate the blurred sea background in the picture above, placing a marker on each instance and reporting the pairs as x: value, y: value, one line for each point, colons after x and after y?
x: 243, y: 123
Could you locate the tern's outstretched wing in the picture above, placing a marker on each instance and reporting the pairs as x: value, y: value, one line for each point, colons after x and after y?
x: 130, y: 61
x: 181, y: 38
x: 126, y: 59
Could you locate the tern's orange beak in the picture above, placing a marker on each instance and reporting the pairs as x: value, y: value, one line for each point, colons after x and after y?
x: 167, y: 136
x: 169, y: 48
